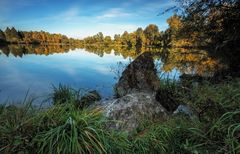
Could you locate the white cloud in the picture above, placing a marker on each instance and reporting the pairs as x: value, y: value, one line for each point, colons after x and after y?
x: 107, y: 29
x: 114, y: 13
x: 72, y: 14
x: 105, y: 70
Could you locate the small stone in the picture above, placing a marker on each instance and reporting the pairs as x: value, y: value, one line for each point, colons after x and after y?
x: 186, y: 110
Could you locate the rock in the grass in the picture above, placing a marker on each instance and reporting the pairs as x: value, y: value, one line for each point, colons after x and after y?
x: 89, y: 98
x: 139, y: 76
x: 126, y: 113
x: 186, y: 110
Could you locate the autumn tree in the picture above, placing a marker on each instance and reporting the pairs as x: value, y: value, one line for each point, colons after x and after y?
x: 219, y: 22
x: 175, y: 37
x: 132, y: 40
x: 100, y: 37
x: 2, y: 36
x: 36, y: 37
x: 125, y: 39
x: 175, y: 25
x: 12, y: 35
x: 140, y: 38
x: 107, y: 40
x: 117, y: 39
x: 151, y: 33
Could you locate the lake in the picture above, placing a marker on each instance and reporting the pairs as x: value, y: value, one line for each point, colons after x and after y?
x: 34, y: 70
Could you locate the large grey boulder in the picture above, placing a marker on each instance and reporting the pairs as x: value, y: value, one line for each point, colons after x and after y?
x: 128, y: 112
x: 139, y: 76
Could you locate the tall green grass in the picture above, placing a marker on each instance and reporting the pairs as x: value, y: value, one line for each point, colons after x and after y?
x: 64, y: 128
x: 180, y: 135
x: 76, y: 132
x: 64, y: 94
x: 16, y: 128
x: 212, y: 100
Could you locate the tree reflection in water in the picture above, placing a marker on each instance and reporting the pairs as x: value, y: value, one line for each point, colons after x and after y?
x: 186, y: 61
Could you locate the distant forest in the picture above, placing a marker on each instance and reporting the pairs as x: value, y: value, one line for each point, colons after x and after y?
x: 12, y: 36
x: 214, y: 24
x: 150, y: 36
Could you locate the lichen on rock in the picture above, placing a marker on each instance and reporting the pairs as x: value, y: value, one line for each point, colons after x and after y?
x: 126, y: 113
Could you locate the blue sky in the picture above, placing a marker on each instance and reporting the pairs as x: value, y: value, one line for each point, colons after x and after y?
x: 81, y: 18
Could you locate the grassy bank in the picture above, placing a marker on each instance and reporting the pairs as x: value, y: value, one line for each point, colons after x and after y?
x: 66, y: 128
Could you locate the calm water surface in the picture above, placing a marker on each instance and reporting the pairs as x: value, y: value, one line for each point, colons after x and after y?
x: 22, y: 72
x: 37, y: 73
